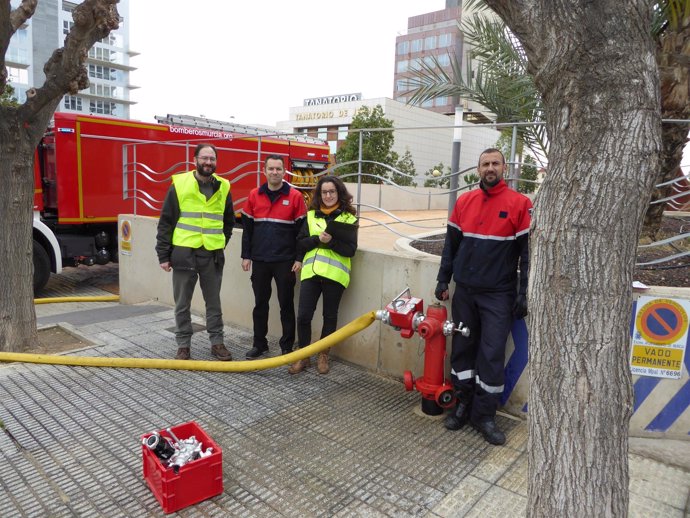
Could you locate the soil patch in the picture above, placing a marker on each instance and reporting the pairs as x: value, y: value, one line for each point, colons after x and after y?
x: 673, y: 273
x: 55, y: 339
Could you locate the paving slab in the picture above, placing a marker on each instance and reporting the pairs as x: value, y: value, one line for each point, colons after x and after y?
x: 350, y: 443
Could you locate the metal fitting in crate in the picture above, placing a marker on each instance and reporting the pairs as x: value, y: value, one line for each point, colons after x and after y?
x: 175, y: 453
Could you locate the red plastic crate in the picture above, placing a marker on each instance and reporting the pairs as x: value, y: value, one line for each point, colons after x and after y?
x: 195, y: 481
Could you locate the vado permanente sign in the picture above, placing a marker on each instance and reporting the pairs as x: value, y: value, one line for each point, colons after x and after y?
x: 660, y: 337
x: 332, y: 99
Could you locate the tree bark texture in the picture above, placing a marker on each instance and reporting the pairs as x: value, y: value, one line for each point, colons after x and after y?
x: 594, y: 65
x: 21, y: 128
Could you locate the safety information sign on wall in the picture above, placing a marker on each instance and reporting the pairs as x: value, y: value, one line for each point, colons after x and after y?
x: 126, y: 237
x: 660, y: 337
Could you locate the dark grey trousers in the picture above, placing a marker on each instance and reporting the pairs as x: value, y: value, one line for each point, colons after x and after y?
x: 210, y: 275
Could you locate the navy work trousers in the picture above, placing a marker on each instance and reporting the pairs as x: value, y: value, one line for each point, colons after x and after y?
x: 262, y: 275
x: 477, y: 361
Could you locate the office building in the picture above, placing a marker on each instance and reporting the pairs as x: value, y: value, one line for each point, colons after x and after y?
x: 428, y: 136
x: 434, y: 39
x: 107, y: 62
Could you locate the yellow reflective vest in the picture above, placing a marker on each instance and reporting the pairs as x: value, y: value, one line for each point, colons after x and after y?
x: 201, y: 220
x: 324, y: 261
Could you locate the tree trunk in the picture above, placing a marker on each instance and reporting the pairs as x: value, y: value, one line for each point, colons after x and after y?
x: 594, y: 66
x: 20, y: 130
x: 17, y: 315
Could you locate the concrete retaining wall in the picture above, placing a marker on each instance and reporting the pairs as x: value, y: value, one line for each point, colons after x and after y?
x: 394, y: 198
x: 662, y: 406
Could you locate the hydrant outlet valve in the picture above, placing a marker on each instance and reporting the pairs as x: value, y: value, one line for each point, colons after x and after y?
x: 449, y: 328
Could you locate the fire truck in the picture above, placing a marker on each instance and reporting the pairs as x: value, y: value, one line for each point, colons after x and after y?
x: 89, y: 169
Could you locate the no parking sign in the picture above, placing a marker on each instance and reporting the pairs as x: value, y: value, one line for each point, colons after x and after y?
x: 660, y: 337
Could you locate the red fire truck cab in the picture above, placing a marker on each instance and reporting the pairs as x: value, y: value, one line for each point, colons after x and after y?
x: 89, y: 169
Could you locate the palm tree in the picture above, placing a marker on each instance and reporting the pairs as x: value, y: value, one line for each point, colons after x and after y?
x: 671, y: 29
x: 496, y: 77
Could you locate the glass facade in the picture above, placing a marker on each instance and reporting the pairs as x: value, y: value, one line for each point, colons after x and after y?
x: 107, y: 61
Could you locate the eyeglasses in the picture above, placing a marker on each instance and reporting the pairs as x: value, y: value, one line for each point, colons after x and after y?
x: 206, y: 158
x: 329, y: 193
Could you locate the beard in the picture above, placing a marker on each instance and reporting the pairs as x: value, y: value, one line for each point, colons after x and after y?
x: 205, y: 170
x: 493, y: 182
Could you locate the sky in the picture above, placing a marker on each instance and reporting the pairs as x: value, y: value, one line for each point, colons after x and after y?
x: 250, y: 61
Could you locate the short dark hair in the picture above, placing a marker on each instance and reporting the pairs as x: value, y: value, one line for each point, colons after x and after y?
x: 274, y: 157
x: 491, y: 150
x: 199, y: 147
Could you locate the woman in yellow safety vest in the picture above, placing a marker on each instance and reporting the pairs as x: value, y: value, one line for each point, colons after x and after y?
x: 325, y: 244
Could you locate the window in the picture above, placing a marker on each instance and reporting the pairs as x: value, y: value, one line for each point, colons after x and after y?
x: 402, y: 99
x: 417, y: 45
x: 104, y: 90
x: 428, y: 103
x: 415, y: 64
x: 323, y: 133
x: 403, y: 47
x: 110, y: 39
x: 21, y: 36
x: 72, y: 102
x: 17, y: 55
x: 101, y: 72
x: 333, y: 146
x: 101, y: 54
x: 66, y: 26
x: 20, y: 94
x: 444, y: 40
x: 103, y: 107
x: 402, y: 66
x: 441, y: 101
x: 401, y: 85
x: 429, y: 62
x: 17, y: 75
x: 430, y: 43
x: 443, y: 60
x: 342, y: 132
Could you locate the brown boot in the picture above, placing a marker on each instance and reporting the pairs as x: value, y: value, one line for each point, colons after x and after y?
x: 322, y: 366
x: 299, y: 366
x: 220, y: 352
x: 183, y: 354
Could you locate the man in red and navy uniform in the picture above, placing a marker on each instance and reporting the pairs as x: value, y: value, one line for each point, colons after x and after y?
x: 271, y: 218
x: 487, y: 237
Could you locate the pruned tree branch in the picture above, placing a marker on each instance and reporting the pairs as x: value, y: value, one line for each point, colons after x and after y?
x: 10, y: 21
x: 65, y: 70
x: 23, y: 12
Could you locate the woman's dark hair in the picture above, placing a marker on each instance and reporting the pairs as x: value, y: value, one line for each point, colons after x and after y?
x: 344, y: 197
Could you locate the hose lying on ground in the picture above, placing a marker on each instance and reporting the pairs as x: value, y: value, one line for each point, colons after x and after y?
x: 103, y: 298
x: 346, y: 331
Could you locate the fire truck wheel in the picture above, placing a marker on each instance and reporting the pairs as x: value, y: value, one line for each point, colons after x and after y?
x: 41, y: 267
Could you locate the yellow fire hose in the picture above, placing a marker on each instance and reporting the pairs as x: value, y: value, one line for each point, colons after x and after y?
x: 53, y: 300
x: 197, y: 365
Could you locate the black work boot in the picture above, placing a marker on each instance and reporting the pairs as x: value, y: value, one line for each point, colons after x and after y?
x: 458, y: 417
x: 490, y: 431
x: 256, y: 352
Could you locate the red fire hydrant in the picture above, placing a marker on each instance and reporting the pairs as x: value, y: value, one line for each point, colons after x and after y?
x: 406, y: 313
